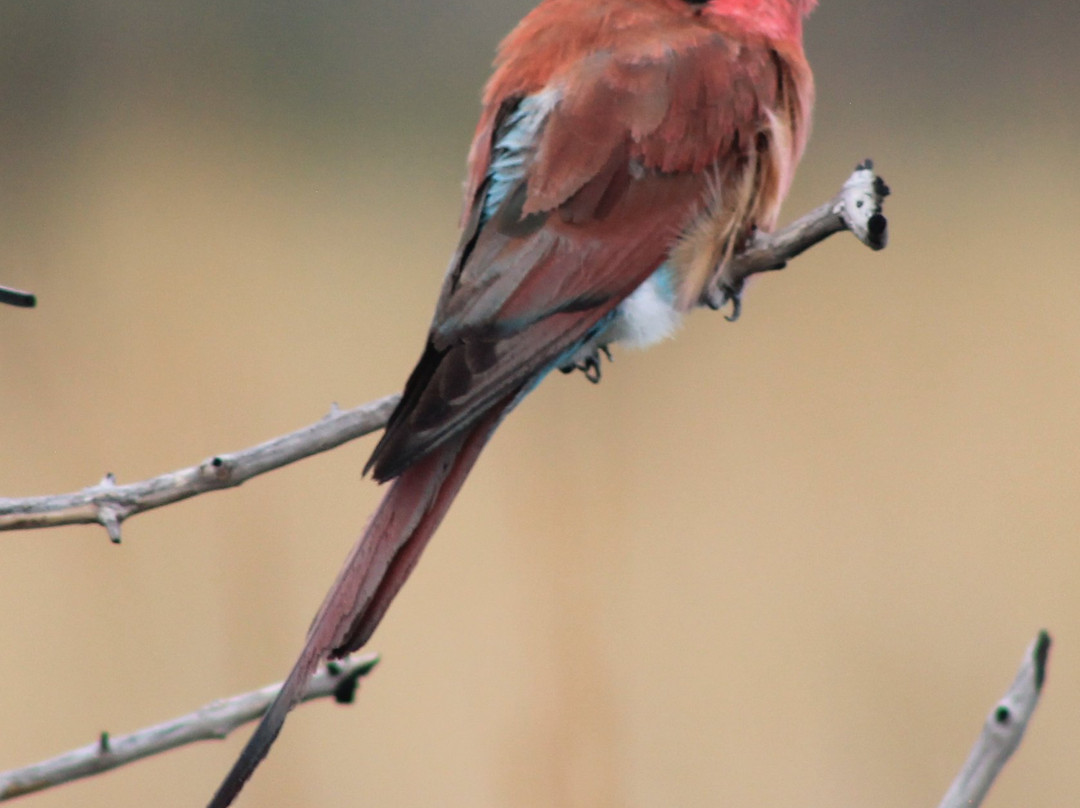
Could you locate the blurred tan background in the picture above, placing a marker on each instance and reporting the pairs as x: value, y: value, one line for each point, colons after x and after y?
x: 789, y: 561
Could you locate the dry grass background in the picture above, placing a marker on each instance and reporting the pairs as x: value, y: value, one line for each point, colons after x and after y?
x: 789, y: 561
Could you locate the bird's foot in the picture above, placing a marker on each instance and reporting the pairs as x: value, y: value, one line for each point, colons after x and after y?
x: 588, y: 362
x: 720, y: 292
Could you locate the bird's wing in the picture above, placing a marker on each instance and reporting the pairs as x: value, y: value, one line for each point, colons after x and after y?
x: 588, y: 181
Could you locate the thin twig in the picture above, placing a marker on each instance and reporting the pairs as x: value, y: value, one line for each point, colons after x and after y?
x: 110, y: 504
x: 856, y: 208
x: 211, y: 722
x: 16, y: 297
x: 1002, y: 731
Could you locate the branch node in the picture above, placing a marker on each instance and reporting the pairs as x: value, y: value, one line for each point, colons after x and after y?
x: 103, y: 743
x: 218, y: 468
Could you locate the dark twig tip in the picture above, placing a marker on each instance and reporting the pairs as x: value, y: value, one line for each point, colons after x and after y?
x: 1041, y: 654
x: 103, y: 743
x: 15, y: 297
x: 877, y: 231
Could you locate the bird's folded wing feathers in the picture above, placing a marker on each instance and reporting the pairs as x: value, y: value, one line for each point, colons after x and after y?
x: 617, y: 125
x: 622, y: 159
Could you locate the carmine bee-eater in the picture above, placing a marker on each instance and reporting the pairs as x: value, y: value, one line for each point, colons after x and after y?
x: 626, y: 149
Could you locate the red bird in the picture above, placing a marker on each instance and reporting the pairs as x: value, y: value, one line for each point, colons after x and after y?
x: 625, y: 151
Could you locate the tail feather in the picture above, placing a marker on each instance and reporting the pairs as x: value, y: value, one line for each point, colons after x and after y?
x: 408, y: 552
x: 372, y: 575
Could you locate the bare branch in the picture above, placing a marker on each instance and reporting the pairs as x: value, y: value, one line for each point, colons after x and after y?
x: 856, y: 208
x: 1002, y: 731
x: 16, y: 297
x: 211, y: 722
x: 110, y: 504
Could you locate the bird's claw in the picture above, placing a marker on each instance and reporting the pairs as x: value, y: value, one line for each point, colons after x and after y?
x: 591, y: 368
x: 589, y: 364
x: 722, y: 292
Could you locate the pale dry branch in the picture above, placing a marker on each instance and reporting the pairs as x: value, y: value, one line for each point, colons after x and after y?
x: 856, y: 208
x: 109, y: 504
x: 1002, y: 731
x: 211, y: 722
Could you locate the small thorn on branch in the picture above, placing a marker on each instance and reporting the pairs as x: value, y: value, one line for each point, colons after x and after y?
x: 110, y: 519
x: 109, y: 514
